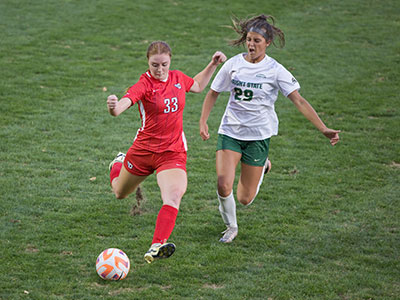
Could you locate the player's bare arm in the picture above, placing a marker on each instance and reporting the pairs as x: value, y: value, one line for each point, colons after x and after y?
x: 116, y: 107
x: 208, y: 105
x: 308, y: 111
x: 202, y: 79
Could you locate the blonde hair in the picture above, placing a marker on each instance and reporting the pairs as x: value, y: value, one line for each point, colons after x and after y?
x: 261, y: 22
x: 158, y: 47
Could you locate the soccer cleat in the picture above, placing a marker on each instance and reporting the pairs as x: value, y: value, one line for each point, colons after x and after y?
x: 120, y: 158
x: 157, y: 251
x: 268, y: 166
x: 229, y: 234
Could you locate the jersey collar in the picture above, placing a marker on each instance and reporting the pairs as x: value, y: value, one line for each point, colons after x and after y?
x: 152, y: 78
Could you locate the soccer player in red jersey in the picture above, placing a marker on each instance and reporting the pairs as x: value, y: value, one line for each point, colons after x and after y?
x: 160, y: 143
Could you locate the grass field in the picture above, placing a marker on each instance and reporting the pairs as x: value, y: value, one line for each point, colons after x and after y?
x: 326, y: 222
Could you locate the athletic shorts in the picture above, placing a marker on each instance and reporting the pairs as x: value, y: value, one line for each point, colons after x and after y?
x: 254, y: 153
x: 145, y: 163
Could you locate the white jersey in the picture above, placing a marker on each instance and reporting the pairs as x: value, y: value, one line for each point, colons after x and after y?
x: 250, y: 112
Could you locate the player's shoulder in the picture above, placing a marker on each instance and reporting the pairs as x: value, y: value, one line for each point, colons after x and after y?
x: 142, y: 83
x: 177, y: 76
x: 145, y: 77
x: 176, y: 73
x: 273, y: 63
x: 232, y: 63
x: 234, y: 60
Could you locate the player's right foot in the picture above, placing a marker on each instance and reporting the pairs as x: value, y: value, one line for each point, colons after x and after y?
x: 229, y: 234
x: 119, y: 158
x: 157, y: 251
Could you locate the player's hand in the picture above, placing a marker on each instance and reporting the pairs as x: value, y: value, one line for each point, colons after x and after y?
x: 112, y: 101
x: 204, y: 131
x: 218, y: 58
x: 332, y: 135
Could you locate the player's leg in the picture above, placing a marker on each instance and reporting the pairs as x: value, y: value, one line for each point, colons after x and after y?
x: 226, y: 162
x: 248, y: 184
x: 173, y: 184
x: 123, y: 182
x: 172, y: 181
x: 254, y: 164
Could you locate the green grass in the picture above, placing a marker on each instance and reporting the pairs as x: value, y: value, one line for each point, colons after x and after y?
x: 326, y: 222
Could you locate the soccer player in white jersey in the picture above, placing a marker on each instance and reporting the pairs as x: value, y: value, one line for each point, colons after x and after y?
x: 253, y: 80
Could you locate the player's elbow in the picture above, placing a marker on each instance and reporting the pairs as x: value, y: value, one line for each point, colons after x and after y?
x: 197, y: 87
x: 114, y: 113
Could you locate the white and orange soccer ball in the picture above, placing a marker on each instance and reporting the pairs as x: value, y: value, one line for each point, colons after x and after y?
x: 113, y: 264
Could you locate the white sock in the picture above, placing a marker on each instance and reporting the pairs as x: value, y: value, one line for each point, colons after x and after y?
x: 227, y: 208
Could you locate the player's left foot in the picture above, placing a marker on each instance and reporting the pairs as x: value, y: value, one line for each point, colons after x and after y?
x: 157, y: 251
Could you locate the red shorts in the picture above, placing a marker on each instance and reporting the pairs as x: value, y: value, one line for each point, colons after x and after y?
x: 145, y: 163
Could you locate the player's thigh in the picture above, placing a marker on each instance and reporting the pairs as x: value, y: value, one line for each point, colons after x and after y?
x: 248, y: 181
x: 127, y: 183
x: 173, y: 184
x: 226, y: 162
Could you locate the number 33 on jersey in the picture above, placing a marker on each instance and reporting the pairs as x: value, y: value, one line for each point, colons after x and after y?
x: 171, y: 105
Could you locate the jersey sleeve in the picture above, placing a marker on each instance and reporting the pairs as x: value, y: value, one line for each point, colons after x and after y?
x: 286, y: 81
x: 222, y: 80
x: 136, y: 92
x: 187, y: 80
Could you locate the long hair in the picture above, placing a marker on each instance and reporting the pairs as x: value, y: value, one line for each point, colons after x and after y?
x: 262, y: 22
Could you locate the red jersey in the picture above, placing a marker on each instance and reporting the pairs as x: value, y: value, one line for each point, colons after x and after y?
x: 161, y: 107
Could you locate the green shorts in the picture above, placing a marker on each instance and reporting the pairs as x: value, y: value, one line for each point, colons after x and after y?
x: 254, y: 153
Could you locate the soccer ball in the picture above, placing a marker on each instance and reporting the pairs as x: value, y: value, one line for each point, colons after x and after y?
x: 113, y: 264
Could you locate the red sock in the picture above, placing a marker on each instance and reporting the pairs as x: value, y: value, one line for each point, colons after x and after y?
x: 115, y: 170
x: 165, y: 223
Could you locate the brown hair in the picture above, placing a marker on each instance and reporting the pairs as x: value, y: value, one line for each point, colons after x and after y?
x: 158, y: 47
x: 261, y: 22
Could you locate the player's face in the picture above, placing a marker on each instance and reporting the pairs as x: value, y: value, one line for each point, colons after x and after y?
x: 256, y: 47
x: 159, y: 65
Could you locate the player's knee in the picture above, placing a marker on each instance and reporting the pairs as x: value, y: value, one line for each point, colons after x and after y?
x: 245, y: 201
x: 119, y: 195
x: 177, y: 194
x: 224, y: 187
x: 245, y: 198
x: 174, y: 196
